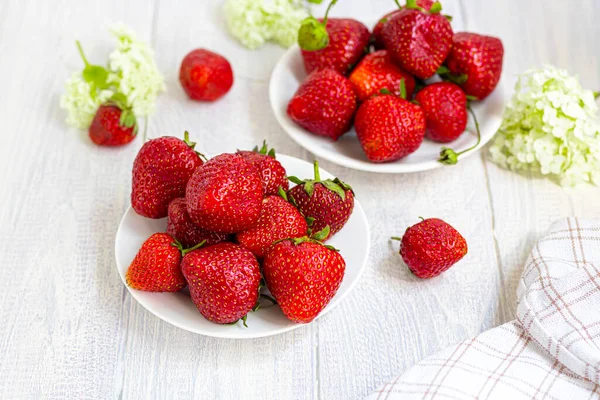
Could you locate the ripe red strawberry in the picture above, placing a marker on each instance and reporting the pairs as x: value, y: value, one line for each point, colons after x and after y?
x: 431, y: 247
x: 112, y: 126
x: 223, y: 280
x: 389, y: 128
x: 348, y: 40
x: 205, y: 76
x: 181, y: 227
x: 303, y: 275
x: 377, y: 37
x: 161, y: 171
x: 326, y: 203
x: 445, y: 108
x: 225, y: 194
x: 324, y: 104
x: 271, y: 171
x: 419, y: 41
x: 475, y: 62
x: 376, y: 72
x: 155, y: 267
x: 278, y: 220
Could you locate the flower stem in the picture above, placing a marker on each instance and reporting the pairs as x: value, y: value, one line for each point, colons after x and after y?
x: 85, y: 60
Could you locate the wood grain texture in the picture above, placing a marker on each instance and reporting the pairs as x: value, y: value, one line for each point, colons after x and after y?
x: 70, y: 329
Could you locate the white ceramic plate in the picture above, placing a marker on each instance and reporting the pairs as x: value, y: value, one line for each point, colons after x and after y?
x: 346, y: 151
x: 177, y: 308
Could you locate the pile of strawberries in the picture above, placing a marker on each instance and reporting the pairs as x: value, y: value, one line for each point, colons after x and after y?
x: 388, y: 93
x: 234, y: 226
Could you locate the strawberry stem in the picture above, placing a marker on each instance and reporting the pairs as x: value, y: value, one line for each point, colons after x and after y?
x: 316, y: 169
x: 327, y: 11
x: 82, y: 54
x: 185, y: 251
x: 449, y: 156
x: 396, y: 238
x: 398, y: 4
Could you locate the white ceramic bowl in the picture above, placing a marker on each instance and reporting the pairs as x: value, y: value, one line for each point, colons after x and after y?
x: 289, y: 73
x: 177, y: 308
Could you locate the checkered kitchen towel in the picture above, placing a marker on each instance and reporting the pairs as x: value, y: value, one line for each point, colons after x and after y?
x: 552, y: 349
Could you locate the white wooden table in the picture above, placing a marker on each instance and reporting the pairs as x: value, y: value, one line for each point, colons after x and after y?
x: 68, y: 327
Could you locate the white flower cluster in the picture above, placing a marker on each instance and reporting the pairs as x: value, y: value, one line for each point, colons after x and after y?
x: 253, y: 22
x: 551, y: 126
x: 134, y: 71
x: 132, y: 75
x: 82, y: 101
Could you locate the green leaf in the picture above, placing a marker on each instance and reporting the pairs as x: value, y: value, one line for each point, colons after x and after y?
x: 411, y: 4
x: 343, y: 184
x: 443, y: 70
x: 310, y: 221
x: 244, y: 318
x: 334, y: 187
x: 271, y: 153
x: 385, y: 91
x: 322, y: 234
x: 330, y: 247
x: 309, y: 187
x: 282, y: 193
x: 295, y: 180
x: 448, y: 17
x: 472, y: 98
x: 96, y: 75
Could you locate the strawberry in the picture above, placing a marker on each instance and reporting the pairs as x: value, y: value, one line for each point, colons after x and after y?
x: 324, y: 104
x: 418, y: 41
x: 303, y: 275
x: 224, y: 281
x: 225, y: 194
x: 271, y: 171
x: 389, y: 128
x: 205, y: 76
x: 376, y: 72
x: 475, y: 63
x: 181, y: 227
x: 155, y: 267
x: 112, y: 126
x: 278, y: 220
x: 445, y: 108
x: 348, y: 41
x: 431, y: 247
x: 377, y: 37
x: 161, y: 171
x: 326, y: 203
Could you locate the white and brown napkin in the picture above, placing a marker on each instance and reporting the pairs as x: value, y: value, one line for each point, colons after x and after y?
x: 552, y: 349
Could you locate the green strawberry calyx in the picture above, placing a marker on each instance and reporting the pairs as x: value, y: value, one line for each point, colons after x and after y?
x: 317, y: 238
x: 192, y: 145
x: 312, y: 35
x: 335, y: 185
x: 402, y: 90
x: 446, y: 75
x: 264, y: 150
x: 449, y: 156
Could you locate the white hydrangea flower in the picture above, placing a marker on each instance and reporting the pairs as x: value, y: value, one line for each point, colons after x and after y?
x: 254, y: 22
x: 81, y: 102
x: 550, y: 125
x: 134, y: 71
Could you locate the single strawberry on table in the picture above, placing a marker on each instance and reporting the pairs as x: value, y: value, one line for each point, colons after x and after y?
x: 278, y: 220
x: 156, y: 266
x: 161, y: 171
x: 445, y: 108
x: 223, y: 280
x: 431, y: 247
x: 205, y: 75
x: 475, y: 63
x: 375, y: 72
x: 332, y: 43
x: 389, y: 127
x: 377, y: 36
x: 327, y: 203
x: 182, y: 228
x: 225, y: 194
x: 113, y: 126
x: 303, y: 275
x: 419, y: 41
x: 324, y: 104
x: 271, y: 171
